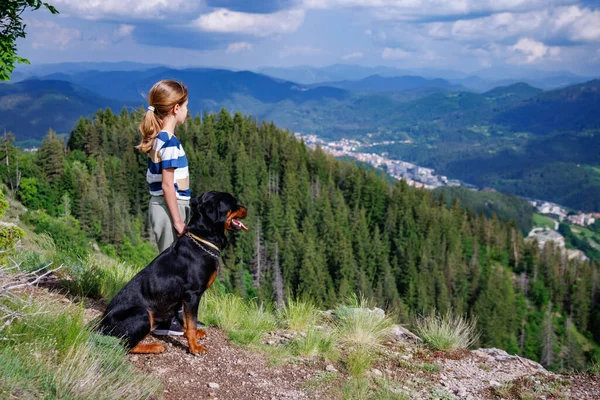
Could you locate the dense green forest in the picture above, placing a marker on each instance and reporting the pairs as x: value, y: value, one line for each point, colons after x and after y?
x: 320, y: 228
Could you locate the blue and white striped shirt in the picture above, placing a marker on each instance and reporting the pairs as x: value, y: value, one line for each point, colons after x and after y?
x: 167, y: 152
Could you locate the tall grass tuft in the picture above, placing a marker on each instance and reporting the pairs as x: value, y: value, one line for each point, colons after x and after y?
x: 359, y: 361
x: 244, y: 322
x: 361, y: 326
x: 314, y: 343
x: 99, y: 276
x: 298, y: 315
x: 448, y: 331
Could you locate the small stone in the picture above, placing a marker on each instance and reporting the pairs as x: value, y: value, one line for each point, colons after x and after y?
x: 213, y: 385
x: 252, y: 373
x: 406, y: 357
x: 134, y: 358
x: 444, y: 377
x: 186, y: 382
x: 330, y: 368
x: 495, y: 383
x: 461, y: 392
x: 376, y: 372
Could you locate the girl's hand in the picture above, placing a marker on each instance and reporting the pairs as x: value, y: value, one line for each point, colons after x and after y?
x: 179, y: 227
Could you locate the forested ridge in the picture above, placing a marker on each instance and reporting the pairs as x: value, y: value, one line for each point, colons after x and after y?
x: 320, y: 228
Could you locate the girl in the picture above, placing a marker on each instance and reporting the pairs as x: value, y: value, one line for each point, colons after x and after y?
x: 167, y: 174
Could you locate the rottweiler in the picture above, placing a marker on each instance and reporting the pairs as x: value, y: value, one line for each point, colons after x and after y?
x: 177, y: 277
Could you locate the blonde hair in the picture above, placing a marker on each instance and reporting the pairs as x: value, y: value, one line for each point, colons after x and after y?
x: 163, y: 96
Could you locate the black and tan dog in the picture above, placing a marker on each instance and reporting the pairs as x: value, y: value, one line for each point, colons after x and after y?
x: 177, y: 277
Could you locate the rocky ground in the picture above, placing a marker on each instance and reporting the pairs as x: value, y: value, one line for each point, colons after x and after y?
x: 404, y: 366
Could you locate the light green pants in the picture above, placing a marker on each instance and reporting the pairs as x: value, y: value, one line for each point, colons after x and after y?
x: 161, y: 222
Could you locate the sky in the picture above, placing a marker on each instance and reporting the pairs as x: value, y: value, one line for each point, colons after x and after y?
x: 461, y: 35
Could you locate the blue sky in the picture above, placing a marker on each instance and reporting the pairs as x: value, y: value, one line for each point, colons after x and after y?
x: 463, y: 35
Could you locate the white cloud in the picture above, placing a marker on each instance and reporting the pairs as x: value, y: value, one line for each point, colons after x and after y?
x: 300, y: 51
x: 131, y: 9
x: 353, y: 56
x: 389, y: 53
x: 239, y: 46
x: 225, y: 21
x: 534, y: 50
x: 416, y: 9
x: 48, y: 34
x: 124, y: 30
x: 571, y: 23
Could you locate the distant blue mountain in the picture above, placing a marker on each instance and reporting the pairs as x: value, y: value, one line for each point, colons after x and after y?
x: 377, y: 83
x: 24, y: 71
x: 29, y: 108
x: 203, y: 83
x: 342, y: 72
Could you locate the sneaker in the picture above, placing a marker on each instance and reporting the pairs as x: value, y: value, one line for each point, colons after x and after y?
x: 170, y: 327
x: 201, y: 325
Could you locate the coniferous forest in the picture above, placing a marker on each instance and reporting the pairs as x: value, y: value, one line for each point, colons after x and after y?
x: 319, y: 228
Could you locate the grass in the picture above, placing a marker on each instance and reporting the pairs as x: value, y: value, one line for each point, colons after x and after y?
x: 359, y: 361
x: 298, y: 315
x: 244, y: 322
x: 447, y: 332
x: 51, y: 353
x: 380, y: 389
x: 315, y: 342
x: 359, y: 326
x: 541, y: 221
x: 414, y: 367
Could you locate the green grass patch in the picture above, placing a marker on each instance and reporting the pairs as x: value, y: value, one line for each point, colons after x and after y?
x: 362, y: 327
x: 448, y: 331
x: 298, y: 315
x: 50, y: 353
x: 359, y: 361
x: 315, y: 342
x: 541, y: 221
x: 244, y: 322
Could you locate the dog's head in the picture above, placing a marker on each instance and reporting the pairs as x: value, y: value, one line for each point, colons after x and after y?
x: 215, y: 213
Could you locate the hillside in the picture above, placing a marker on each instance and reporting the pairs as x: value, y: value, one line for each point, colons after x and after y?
x: 491, y: 204
x: 574, y: 108
x: 29, y: 108
x: 326, y: 228
x: 509, y: 138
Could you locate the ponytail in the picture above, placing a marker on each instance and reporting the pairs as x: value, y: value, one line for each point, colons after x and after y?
x: 149, y: 128
x: 163, y: 96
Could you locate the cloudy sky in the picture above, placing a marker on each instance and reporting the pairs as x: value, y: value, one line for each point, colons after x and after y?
x: 463, y: 35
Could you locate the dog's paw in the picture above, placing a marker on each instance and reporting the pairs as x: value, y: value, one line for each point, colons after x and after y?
x: 151, y: 348
x: 200, y: 334
x: 197, y: 350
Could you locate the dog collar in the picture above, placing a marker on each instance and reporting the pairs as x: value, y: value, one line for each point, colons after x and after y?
x: 206, y: 242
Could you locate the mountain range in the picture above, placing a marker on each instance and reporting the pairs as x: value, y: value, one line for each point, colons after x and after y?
x: 517, y: 137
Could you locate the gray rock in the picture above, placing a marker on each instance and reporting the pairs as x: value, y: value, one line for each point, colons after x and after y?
x: 213, y: 385
x: 402, y: 334
x: 330, y: 368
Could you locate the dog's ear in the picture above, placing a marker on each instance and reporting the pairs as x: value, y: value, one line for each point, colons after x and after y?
x: 195, y: 202
x: 209, y: 206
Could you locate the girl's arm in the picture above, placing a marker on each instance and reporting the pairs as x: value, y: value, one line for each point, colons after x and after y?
x: 168, y: 187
